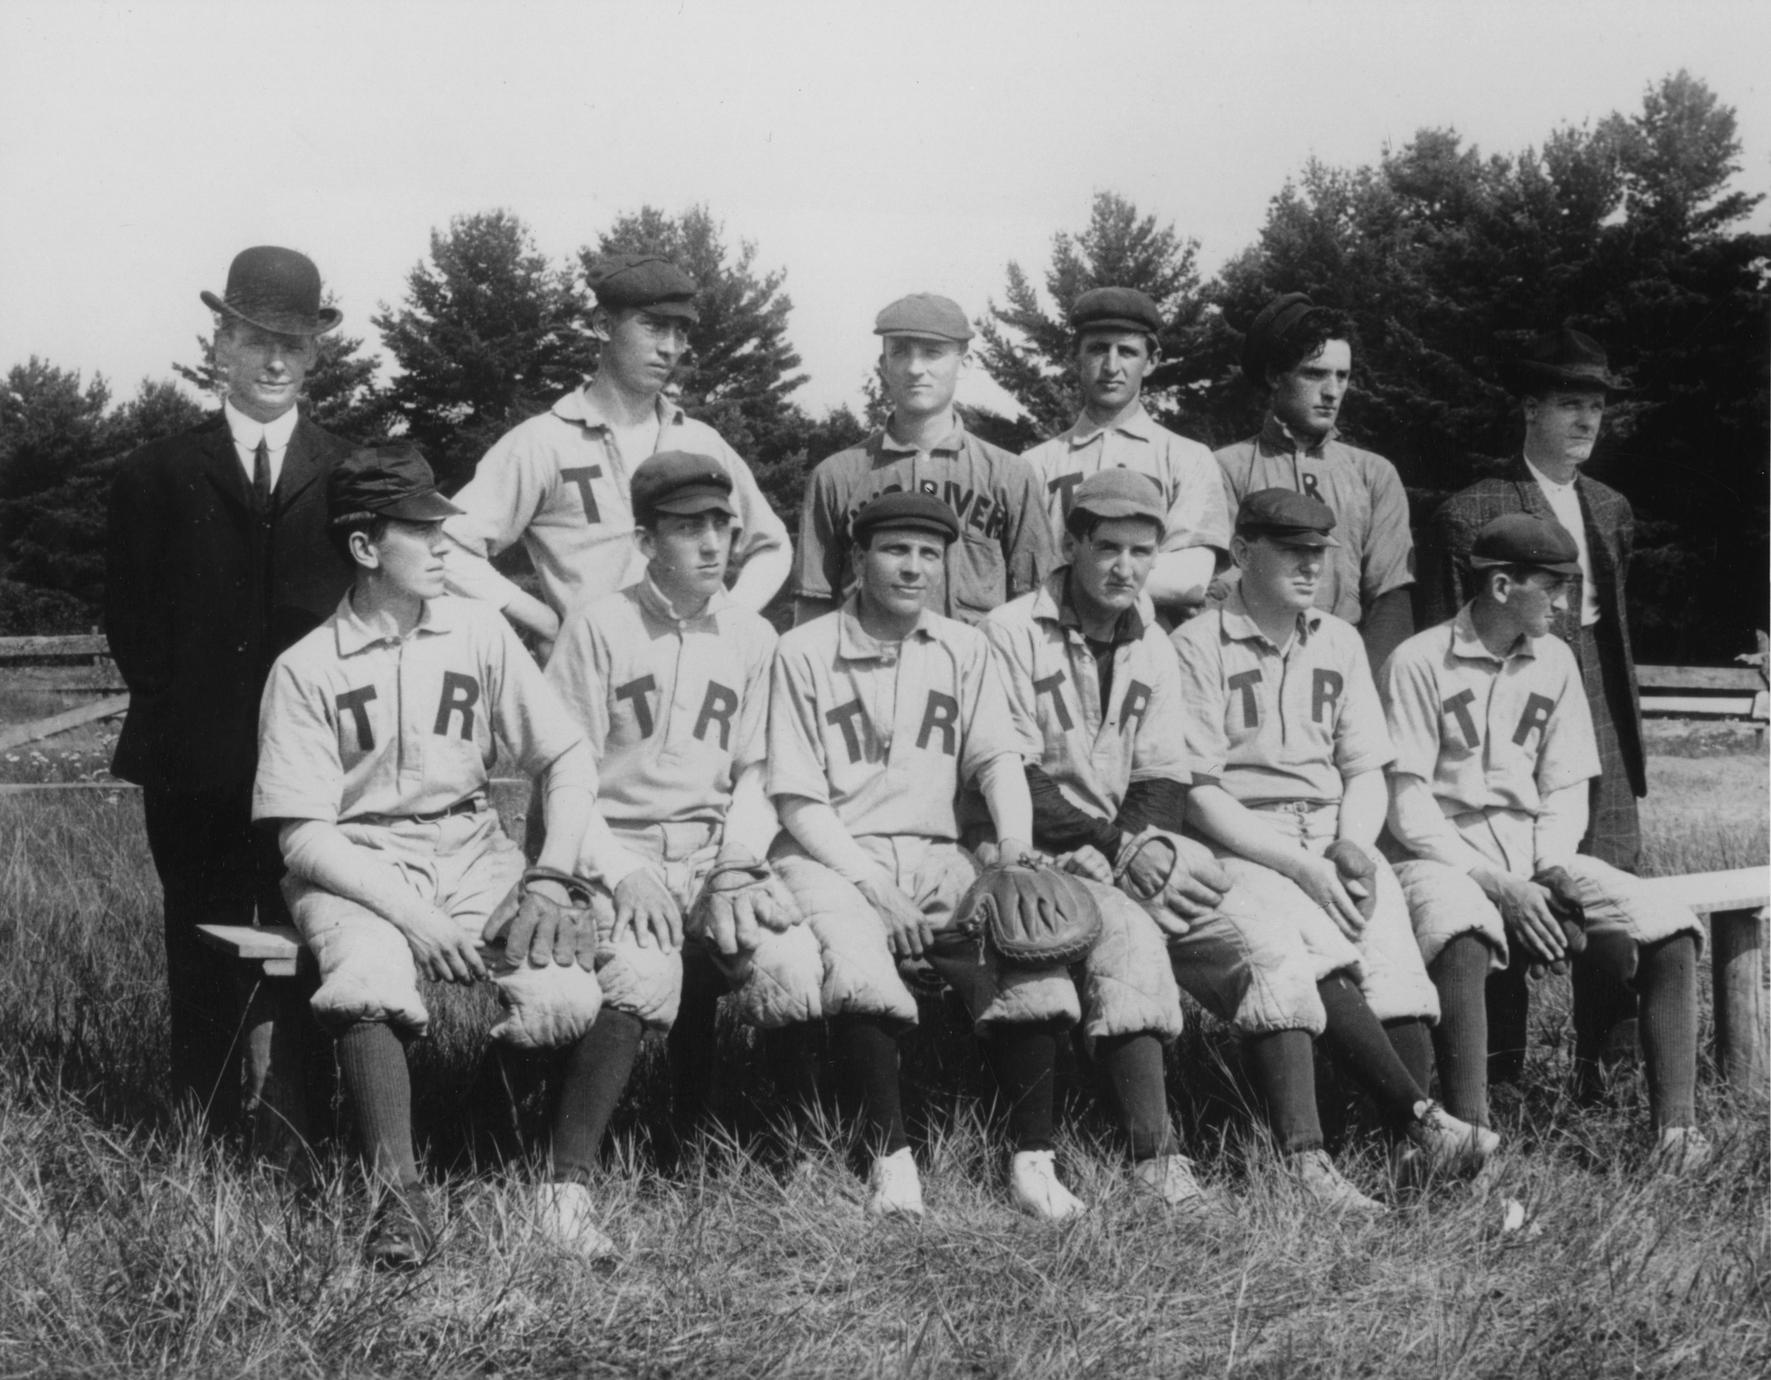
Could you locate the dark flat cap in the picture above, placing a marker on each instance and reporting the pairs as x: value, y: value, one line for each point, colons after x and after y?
x: 275, y: 289
x: 924, y: 314
x: 1524, y: 539
x: 1564, y: 359
x: 1287, y: 516
x: 385, y: 481
x: 650, y: 281
x: 1120, y: 493
x: 919, y: 512
x: 679, y: 481
x: 1116, y: 309
x: 1271, y: 324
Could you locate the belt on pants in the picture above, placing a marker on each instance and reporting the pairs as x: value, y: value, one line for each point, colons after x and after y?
x: 467, y: 805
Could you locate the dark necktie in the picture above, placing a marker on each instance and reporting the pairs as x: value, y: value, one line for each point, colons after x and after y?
x: 261, y: 477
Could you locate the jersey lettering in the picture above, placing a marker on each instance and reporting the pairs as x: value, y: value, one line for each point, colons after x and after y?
x: 355, y: 703
x: 958, y: 499
x: 1325, y: 690
x: 636, y: 691
x: 1053, y: 685
x: 1312, y: 485
x: 1536, y: 715
x: 717, y: 707
x: 1458, y: 705
x: 1135, y: 705
x: 459, y: 693
x: 1065, y: 487
x: 1245, y: 681
x: 847, y: 717
x: 581, y: 475
x: 941, y: 713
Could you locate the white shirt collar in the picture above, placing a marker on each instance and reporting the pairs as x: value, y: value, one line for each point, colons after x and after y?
x: 246, y: 431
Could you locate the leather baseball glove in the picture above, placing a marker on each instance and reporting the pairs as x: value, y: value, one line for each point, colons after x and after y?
x: 1357, y: 870
x: 1031, y: 916
x: 738, y: 901
x: 539, y: 930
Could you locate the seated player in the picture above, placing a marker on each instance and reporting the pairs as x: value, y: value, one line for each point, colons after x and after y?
x: 1286, y: 741
x: 670, y: 679
x: 1488, y: 796
x: 879, y: 712
x: 376, y: 736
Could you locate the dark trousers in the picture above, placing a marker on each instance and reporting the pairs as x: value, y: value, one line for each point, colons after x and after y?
x: 237, y: 1041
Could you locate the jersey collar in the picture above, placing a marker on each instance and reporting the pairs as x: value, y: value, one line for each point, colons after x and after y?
x: 1239, y: 625
x: 855, y: 643
x: 954, y: 440
x: 655, y: 602
x: 1051, y: 604
x: 1138, y: 425
x: 578, y: 406
x: 1466, y: 643
x: 1276, y: 438
x: 355, y: 632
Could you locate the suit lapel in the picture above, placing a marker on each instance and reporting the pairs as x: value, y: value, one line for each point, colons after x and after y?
x: 300, y: 468
x: 221, y: 466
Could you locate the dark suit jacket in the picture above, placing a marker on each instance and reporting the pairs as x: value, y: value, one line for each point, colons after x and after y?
x: 201, y: 596
x: 1445, y: 582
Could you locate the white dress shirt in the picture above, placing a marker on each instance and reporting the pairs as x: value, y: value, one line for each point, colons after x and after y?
x: 1565, y: 504
x: 246, y: 434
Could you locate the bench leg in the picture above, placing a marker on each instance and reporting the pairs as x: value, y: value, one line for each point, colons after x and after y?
x: 1739, y: 954
x: 276, y: 1092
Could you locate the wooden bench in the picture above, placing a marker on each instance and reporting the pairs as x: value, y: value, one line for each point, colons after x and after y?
x: 1703, y: 692
x: 1733, y: 902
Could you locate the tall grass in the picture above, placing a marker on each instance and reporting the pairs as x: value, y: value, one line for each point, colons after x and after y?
x: 129, y: 1245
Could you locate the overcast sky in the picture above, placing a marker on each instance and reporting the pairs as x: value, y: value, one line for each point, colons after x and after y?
x: 869, y: 149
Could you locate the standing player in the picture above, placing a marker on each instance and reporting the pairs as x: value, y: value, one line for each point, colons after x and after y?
x: 670, y: 679
x: 1288, y: 748
x: 1115, y: 346
x: 879, y: 713
x: 376, y: 740
x: 1005, y: 546
x: 560, y: 482
x: 1489, y: 790
x: 1301, y: 357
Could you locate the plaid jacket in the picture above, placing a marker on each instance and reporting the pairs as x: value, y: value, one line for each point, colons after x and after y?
x: 1445, y: 585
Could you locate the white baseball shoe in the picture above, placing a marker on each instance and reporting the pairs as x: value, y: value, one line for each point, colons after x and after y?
x: 1450, y: 1145
x: 1033, y: 1178
x: 894, y: 1187
x: 1171, y: 1178
x: 566, y: 1219
x: 1314, y: 1173
x: 1680, y: 1150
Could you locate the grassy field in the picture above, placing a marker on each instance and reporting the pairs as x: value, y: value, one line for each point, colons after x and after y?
x: 128, y: 1247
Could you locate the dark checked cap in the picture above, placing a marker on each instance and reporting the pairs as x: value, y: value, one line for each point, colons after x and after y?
x: 385, y: 481
x: 1120, y: 493
x: 1526, y: 540
x: 1287, y: 516
x: 924, y: 314
x: 650, y: 281
x: 1115, y: 309
x: 918, y: 512
x: 681, y: 482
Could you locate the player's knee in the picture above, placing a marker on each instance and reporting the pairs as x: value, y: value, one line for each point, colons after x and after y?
x: 366, y: 968
x: 546, y: 1008
x: 646, y: 982
x: 785, y: 981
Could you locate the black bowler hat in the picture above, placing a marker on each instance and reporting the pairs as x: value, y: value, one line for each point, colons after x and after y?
x: 1525, y: 540
x: 1115, y: 309
x: 277, y: 290
x: 649, y: 281
x: 1564, y: 359
x: 391, y: 481
x: 918, y: 512
x: 682, y: 483
x: 1270, y: 326
x: 1286, y: 516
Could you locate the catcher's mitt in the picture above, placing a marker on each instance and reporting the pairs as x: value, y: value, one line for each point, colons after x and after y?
x: 1355, y: 865
x: 1031, y: 917
x: 538, y: 930
x: 738, y: 901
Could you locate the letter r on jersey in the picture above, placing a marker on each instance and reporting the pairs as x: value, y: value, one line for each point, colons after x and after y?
x: 940, y: 713
x: 1325, y: 689
x: 1135, y: 705
x: 459, y: 693
x: 1053, y: 685
x: 1536, y: 715
x: 717, y: 707
x: 1245, y: 681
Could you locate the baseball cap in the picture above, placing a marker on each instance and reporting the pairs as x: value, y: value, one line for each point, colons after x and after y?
x: 643, y: 280
x: 919, y: 512
x: 1523, y: 539
x: 924, y: 314
x: 681, y: 482
x: 1272, y: 324
x: 1286, y: 516
x: 385, y: 481
x: 1120, y: 493
x: 1116, y: 309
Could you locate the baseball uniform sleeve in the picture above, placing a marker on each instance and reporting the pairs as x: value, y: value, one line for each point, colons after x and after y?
x: 990, y: 729
x: 1029, y: 545
x: 528, y: 716
x: 1010, y: 645
x: 823, y: 541
x: 796, y: 749
x: 1199, y: 514
x: 1411, y: 703
x: 1203, y: 697
x: 1361, y: 739
x: 578, y: 671
x: 1388, y: 562
x: 1159, y: 753
x: 508, y: 488
x: 299, y: 772
x: 1568, y: 753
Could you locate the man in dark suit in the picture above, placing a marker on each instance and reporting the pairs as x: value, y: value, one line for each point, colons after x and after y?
x: 1563, y: 381
x: 217, y: 561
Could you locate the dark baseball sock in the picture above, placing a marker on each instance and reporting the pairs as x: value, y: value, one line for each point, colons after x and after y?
x: 794, y: 1056
x: 591, y: 1083
x: 1133, y: 1065
x: 1283, y: 1066
x: 1602, y: 997
x: 1026, y: 1065
x: 1412, y: 1040
x: 1667, y: 982
x: 1508, y: 1004
x: 372, y: 1059
x: 693, y: 1041
x: 867, y: 1065
x: 1460, y: 1040
x: 1359, y: 1045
